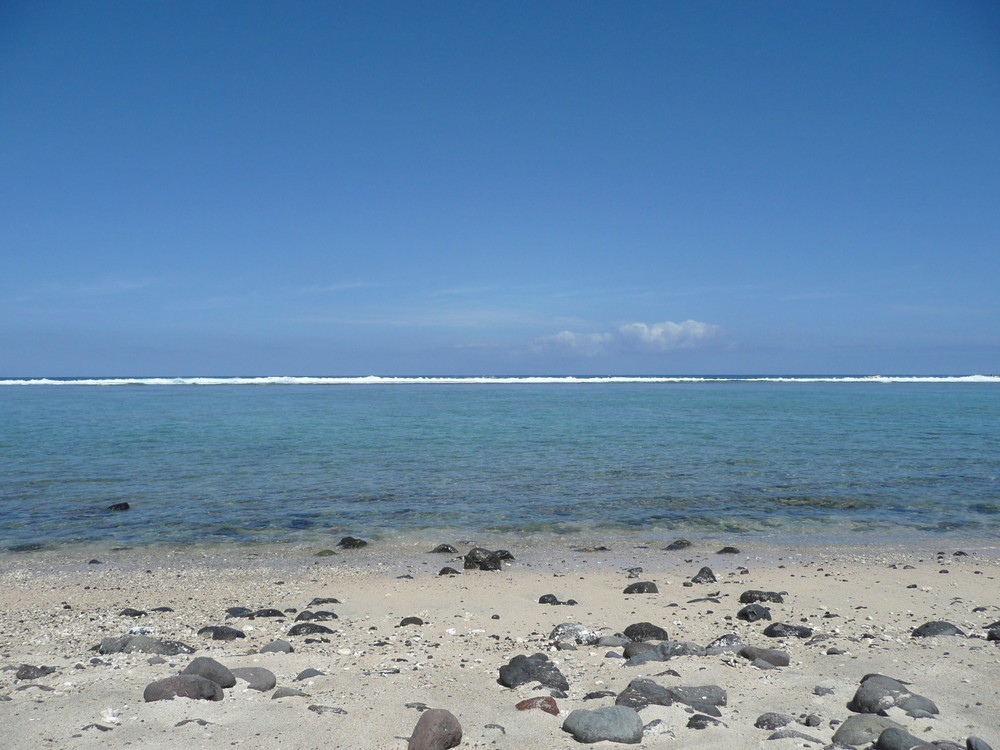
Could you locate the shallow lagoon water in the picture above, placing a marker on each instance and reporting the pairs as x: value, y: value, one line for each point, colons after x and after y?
x: 302, y: 462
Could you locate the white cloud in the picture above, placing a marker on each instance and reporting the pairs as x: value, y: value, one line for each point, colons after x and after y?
x: 655, y: 337
x: 662, y: 337
x: 587, y: 344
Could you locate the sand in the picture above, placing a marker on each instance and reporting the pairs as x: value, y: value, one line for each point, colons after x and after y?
x: 56, y: 606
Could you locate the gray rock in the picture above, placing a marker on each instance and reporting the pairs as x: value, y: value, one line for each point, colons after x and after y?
x: 645, y: 631
x: 436, y: 729
x: 727, y: 642
x: 308, y: 628
x: 182, y: 686
x: 612, y: 641
x: 753, y: 595
x: 896, y: 739
x: 478, y: 558
x: 974, y: 743
x: 444, y: 549
x: 143, y: 644
x: 643, y: 587
x: 754, y: 612
x: 786, y: 734
x: 877, y: 692
x: 705, y: 575
x: 611, y: 724
x: 277, y: 647
x: 638, y: 647
x: 305, y: 674
x: 212, y: 670
x: 288, y: 692
x: 665, y: 651
x: 537, y: 668
x: 574, y: 632
x: 700, y: 721
x: 221, y: 633
x: 769, y: 655
x: 257, y: 678
x: 317, y: 709
x: 642, y: 692
x: 862, y: 729
x: 936, y: 627
x: 30, y: 672
x: 772, y: 721
x: 782, y: 630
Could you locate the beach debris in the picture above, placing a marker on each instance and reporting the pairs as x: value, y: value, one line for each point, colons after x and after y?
x: 611, y: 724
x: 436, y: 729
x: 182, y: 686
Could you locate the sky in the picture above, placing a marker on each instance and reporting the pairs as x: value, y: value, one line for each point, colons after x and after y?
x: 499, y: 188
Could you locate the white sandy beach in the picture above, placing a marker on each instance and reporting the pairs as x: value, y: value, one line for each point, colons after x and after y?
x: 56, y: 606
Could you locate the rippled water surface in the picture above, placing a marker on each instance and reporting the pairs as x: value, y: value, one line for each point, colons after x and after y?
x: 297, y: 462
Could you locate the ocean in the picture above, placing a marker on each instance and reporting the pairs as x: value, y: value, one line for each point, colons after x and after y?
x: 309, y: 460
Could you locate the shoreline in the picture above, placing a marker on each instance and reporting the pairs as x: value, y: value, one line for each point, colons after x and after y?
x: 860, y: 600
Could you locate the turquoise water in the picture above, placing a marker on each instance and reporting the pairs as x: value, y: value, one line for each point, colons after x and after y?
x: 313, y: 462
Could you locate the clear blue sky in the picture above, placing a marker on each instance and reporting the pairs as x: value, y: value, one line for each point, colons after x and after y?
x: 476, y: 188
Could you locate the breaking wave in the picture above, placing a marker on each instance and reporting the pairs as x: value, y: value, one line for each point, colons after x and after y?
x: 533, y: 380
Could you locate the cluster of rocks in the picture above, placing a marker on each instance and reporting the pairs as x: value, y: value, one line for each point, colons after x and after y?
x: 643, y: 643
